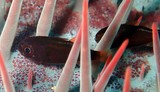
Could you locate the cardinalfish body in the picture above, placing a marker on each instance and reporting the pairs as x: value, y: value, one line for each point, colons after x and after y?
x: 51, y: 50
x: 137, y: 35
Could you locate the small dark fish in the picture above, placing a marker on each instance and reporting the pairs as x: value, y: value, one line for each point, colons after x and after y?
x: 137, y: 35
x: 51, y: 50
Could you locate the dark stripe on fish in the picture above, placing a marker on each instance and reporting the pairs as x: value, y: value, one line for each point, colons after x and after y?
x: 137, y: 35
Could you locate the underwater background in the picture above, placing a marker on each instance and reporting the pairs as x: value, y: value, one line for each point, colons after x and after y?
x: 65, y: 24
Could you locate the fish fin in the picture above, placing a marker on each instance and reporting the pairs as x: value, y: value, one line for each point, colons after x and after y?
x: 73, y: 39
x: 100, y: 56
x: 138, y: 21
x: 63, y: 39
x: 104, y: 55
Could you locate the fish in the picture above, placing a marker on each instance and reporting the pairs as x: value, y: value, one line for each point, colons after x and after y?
x: 51, y: 50
x: 137, y: 35
x: 54, y: 50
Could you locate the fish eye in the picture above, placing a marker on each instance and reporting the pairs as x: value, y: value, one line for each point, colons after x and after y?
x: 27, y: 50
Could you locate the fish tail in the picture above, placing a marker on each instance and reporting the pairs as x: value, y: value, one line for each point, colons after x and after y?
x: 100, y: 56
x: 104, y: 55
